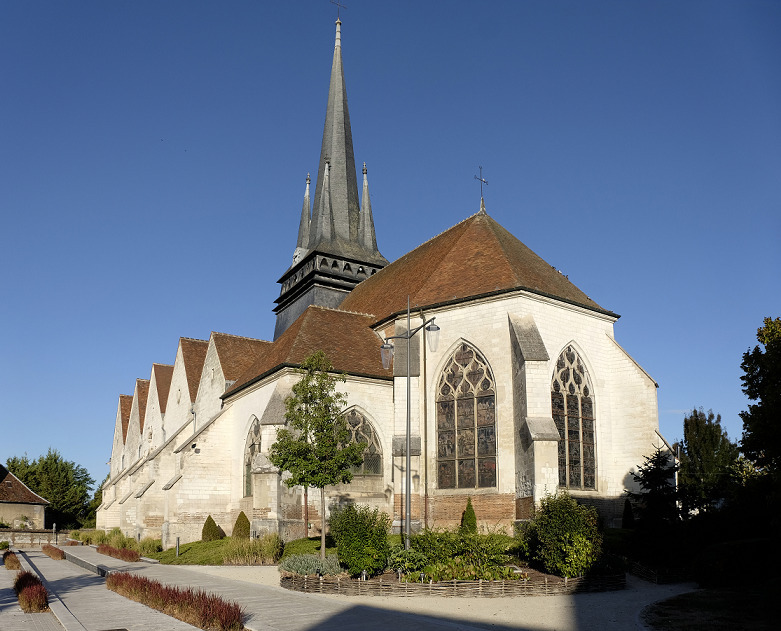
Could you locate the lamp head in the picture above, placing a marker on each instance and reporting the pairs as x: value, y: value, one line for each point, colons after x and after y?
x: 432, y: 335
x: 386, y: 352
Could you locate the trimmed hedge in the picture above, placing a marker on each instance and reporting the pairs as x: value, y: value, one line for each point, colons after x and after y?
x: 211, y: 531
x: 241, y: 527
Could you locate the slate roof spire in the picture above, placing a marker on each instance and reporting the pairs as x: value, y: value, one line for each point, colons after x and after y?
x: 302, y: 245
x: 366, y: 234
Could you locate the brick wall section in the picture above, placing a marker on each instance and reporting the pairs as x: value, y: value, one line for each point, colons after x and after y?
x: 492, y: 511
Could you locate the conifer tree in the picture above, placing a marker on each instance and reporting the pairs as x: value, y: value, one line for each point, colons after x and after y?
x: 314, y: 446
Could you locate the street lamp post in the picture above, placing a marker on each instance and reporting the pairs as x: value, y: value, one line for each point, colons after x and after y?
x: 386, y: 350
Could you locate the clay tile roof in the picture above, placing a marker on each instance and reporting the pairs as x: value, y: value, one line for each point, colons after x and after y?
x: 194, y: 354
x: 345, y: 337
x: 12, y: 490
x: 142, y: 391
x: 237, y: 353
x: 163, y: 374
x: 125, y: 405
x: 475, y: 257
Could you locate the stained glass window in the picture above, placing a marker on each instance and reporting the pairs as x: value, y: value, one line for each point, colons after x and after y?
x: 252, y: 448
x: 466, y: 422
x: 572, y: 403
x: 362, y: 431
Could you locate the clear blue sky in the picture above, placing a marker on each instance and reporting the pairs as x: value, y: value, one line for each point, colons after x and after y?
x: 153, y: 158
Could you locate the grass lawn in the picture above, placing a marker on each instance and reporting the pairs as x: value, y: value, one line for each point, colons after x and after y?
x: 713, y: 610
x: 196, y: 553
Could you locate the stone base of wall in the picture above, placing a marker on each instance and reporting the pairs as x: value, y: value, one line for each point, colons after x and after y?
x: 32, y: 539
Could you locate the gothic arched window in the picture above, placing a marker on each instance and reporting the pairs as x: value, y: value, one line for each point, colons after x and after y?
x: 252, y: 448
x: 466, y: 422
x: 572, y: 400
x: 361, y: 431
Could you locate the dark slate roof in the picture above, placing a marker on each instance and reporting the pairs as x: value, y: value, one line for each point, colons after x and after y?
x: 125, y: 405
x: 473, y: 258
x: 345, y: 337
x: 13, y: 491
x: 163, y: 374
x: 194, y: 354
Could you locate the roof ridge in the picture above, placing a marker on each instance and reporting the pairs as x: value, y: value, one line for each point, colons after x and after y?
x: 338, y: 310
x: 159, y: 364
x: 243, y: 337
x: 192, y: 339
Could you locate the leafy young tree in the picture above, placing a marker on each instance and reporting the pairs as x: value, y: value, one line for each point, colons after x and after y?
x: 707, y: 457
x: 315, y: 447
x: 658, y: 497
x: 63, y: 483
x: 762, y: 383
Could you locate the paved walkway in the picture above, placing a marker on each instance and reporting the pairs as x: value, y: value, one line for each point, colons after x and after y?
x: 272, y: 608
x: 12, y: 618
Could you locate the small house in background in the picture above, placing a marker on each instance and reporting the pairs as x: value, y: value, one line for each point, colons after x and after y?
x: 19, y: 506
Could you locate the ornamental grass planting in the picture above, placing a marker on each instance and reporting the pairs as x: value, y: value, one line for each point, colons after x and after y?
x: 53, y: 552
x: 189, y: 605
x: 123, y: 554
x: 11, y: 561
x: 31, y: 593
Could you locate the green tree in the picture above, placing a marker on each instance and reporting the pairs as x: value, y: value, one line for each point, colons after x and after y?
x: 707, y: 456
x: 314, y: 446
x: 657, y: 499
x: 92, y: 509
x: 63, y: 483
x: 762, y: 383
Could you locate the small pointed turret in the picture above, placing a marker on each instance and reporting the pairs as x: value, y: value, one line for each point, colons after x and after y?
x: 482, y: 210
x: 366, y: 235
x: 324, y: 219
x: 302, y: 245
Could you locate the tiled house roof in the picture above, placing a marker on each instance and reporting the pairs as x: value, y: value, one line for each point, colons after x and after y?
x: 142, y: 391
x: 237, y: 354
x: 13, y: 491
x: 125, y: 405
x: 163, y: 374
x: 473, y: 258
x: 346, y: 338
x: 194, y: 354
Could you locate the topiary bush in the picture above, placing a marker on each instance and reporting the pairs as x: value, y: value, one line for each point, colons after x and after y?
x: 211, y: 531
x: 241, y: 527
x: 468, y: 518
x: 361, y: 535
x: 562, y: 537
x: 311, y: 564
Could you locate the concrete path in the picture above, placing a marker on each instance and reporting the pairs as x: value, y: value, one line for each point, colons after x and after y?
x: 272, y: 608
x: 12, y: 618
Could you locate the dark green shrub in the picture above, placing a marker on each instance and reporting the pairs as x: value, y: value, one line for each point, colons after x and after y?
x: 4, y: 545
x: 406, y: 561
x: 211, y: 531
x: 628, y: 517
x: 439, y: 546
x: 361, y: 535
x: 241, y: 527
x: 562, y: 537
x: 468, y: 518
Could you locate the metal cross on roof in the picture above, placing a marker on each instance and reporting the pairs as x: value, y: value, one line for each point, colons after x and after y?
x: 338, y: 7
x: 482, y: 181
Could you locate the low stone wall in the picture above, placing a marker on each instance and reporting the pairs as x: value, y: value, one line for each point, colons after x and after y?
x: 32, y: 539
x: 464, y: 589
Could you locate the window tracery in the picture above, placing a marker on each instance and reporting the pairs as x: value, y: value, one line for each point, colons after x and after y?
x: 361, y: 431
x: 252, y: 448
x: 466, y: 422
x: 572, y: 402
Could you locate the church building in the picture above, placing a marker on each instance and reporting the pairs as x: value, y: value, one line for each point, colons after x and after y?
x: 526, y: 393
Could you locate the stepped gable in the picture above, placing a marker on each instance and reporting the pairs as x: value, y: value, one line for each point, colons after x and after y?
x: 237, y: 354
x: 163, y: 374
x: 473, y: 258
x: 345, y: 337
x: 14, y: 491
x: 142, y: 390
x: 194, y: 355
x: 125, y: 405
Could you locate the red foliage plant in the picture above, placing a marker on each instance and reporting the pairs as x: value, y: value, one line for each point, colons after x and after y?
x: 31, y: 593
x: 54, y: 553
x: 11, y: 561
x: 193, y: 606
x: 71, y: 542
x: 123, y: 554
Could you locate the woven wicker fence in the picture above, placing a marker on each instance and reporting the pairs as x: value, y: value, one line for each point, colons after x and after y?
x: 468, y: 589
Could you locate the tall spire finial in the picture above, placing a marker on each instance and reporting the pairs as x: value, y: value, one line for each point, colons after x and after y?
x: 338, y: 7
x: 482, y: 181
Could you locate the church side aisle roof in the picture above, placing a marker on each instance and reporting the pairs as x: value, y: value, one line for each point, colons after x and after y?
x: 346, y: 338
x: 237, y: 353
x: 125, y: 405
x: 193, y: 354
x: 163, y: 374
x: 475, y: 257
x: 142, y: 391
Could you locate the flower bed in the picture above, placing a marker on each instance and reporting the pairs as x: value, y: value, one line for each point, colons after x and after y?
x: 54, y: 553
x: 123, y: 554
x: 192, y: 606
x: 31, y: 593
x: 537, y: 584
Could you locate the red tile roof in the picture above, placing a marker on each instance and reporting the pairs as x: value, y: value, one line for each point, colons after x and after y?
x: 13, y: 491
x: 163, y: 374
x: 194, y: 354
x: 237, y: 354
x: 125, y: 405
x: 346, y: 338
x: 473, y: 258
x: 142, y: 392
